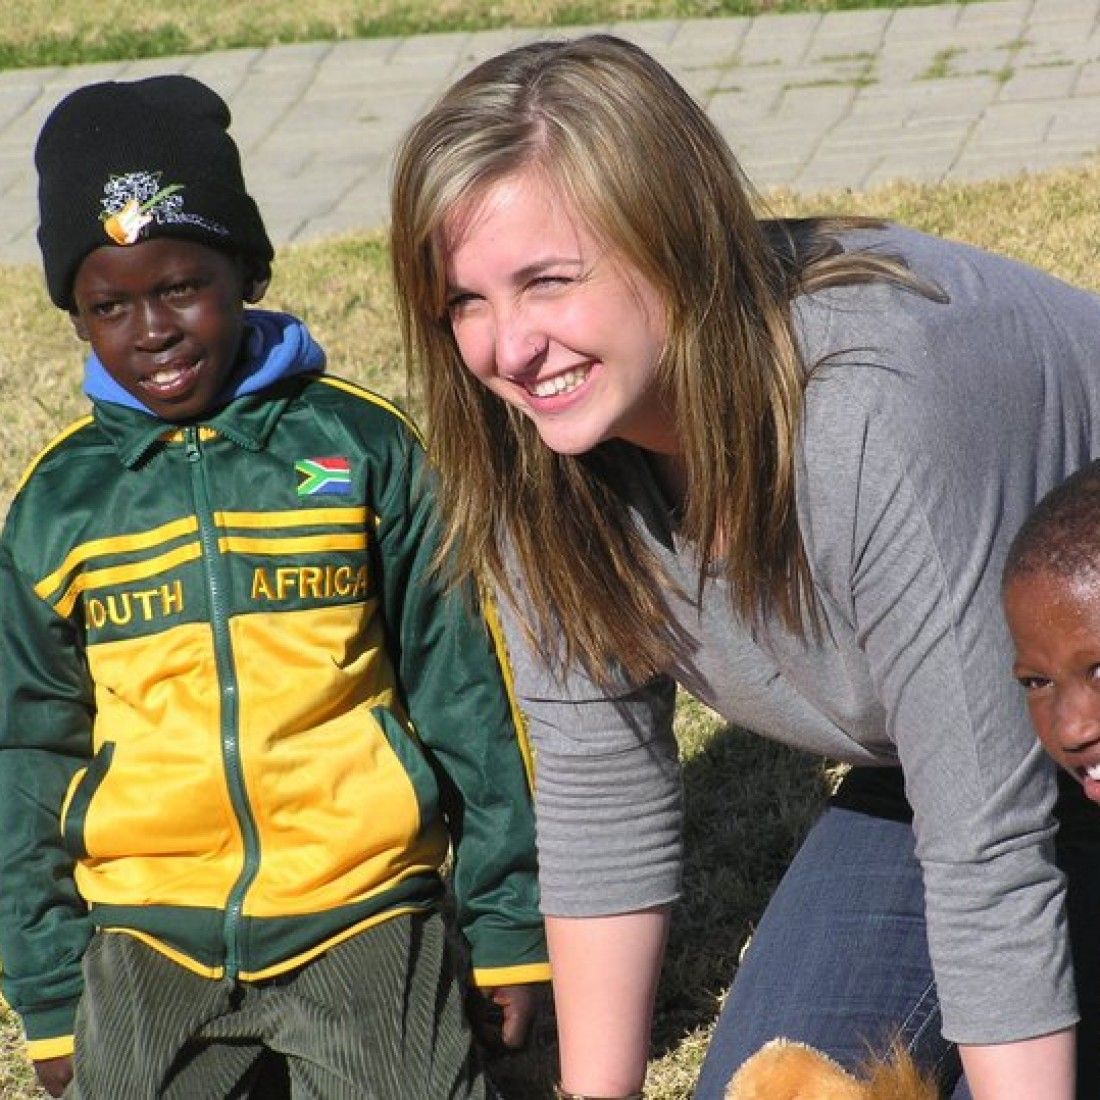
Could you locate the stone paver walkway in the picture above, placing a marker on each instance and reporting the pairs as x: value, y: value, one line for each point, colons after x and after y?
x: 808, y: 101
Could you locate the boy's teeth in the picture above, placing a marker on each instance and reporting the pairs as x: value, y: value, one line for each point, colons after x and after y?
x: 1093, y: 772
x: 561, y: 383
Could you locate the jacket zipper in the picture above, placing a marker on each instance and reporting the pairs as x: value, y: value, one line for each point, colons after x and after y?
x: 217, y: 587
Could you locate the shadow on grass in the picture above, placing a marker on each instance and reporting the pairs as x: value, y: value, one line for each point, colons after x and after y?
x: 749, y: 803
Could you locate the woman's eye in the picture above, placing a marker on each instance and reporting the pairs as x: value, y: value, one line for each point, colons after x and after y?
x: 458, y: 302
x: 105, y: 309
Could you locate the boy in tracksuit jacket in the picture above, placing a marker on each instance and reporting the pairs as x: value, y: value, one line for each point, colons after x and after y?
x: 241, y: 719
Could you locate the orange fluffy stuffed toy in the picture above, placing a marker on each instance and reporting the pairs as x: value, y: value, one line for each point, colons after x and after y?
x: 782, y: 1070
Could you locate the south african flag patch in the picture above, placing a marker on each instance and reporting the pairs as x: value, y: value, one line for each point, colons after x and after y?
x: 323, y: 476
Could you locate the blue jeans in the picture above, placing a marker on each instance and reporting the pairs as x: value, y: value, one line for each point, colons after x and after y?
x: 840, y: 957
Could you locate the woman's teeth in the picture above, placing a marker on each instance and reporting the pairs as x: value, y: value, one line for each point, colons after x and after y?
x: 560, y: 383
x: 1093, y: 772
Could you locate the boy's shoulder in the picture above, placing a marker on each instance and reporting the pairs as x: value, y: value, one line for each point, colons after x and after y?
x: 80, y: 439
x: 352, y: 399
x: 67, y: 467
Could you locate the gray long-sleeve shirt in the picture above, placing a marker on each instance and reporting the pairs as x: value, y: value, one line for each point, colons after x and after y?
x: 929, y: 432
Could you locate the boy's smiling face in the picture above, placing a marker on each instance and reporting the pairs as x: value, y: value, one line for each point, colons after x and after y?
x: 1055, y: 623
x: 165, y: 318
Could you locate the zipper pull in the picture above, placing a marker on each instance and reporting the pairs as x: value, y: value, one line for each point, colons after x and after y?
x: 191, y: 442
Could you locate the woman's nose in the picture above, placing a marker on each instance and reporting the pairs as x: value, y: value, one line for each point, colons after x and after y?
x: 520, y: 343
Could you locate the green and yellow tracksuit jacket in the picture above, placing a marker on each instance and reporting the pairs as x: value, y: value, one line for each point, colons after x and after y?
x: 239, y: 718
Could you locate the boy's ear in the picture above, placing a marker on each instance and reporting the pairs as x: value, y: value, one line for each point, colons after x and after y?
x: 255, y: 288
x: 79, y: 327
x: 257, y: 278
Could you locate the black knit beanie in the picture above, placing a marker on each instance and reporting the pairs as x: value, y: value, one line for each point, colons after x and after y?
x: 119, y: 163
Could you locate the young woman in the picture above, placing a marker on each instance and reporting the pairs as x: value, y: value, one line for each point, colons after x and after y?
x: 777, y: 464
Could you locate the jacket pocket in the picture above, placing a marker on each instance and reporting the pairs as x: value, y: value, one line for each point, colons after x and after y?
x: 407, y: 750
x: 75, y: 811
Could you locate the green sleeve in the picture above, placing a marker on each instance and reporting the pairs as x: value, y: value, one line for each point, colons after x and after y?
x: 46, y: 707
x: 455, y: 691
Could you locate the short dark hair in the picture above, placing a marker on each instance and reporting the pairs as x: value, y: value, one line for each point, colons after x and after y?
x: 1062, y: 533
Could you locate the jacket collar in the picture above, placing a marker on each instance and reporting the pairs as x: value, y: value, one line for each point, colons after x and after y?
x: 279, y: 349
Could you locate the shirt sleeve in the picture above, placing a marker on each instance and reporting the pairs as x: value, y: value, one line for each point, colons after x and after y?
x: 906, y: 528
x: 46, y: 709
x: 457, y: 698
x: 608, y: 786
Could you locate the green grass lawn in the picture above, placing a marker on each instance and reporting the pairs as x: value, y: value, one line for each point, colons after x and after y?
x: 44, y: 32
x: 748, y: 801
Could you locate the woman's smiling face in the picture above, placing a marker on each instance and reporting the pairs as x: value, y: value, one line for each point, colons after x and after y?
x: 547, y: 318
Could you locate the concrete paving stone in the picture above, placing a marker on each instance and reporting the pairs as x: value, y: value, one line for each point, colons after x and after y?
x: 777, y: 142
x: 21, y: 249
x: 782, y: 38
x: 747, y: 107
x: 296, y: 56
x: 813, y: 180
x: 903, y: 68
x: 932, y: 166
x: 875, y: 104
x: 699, y: 41
x: 923, y: 22
x: 19, y: 188
x: 1057, y: 10
x: 487, y: 44
x: 1076, y: 51
x: 901, y: 141
x: 278, y: 160
x: 262, y: 86
x: 654, y: 35
x: 984, y: 62
x: 431, y: 49
x: 816, y: 107
x: 967, y: 95
x: 1079, y: 121
x: 227, y: 68
x: 15, y: 101
x: 364, y: 208
x: 1067, y: 35
x: 318, y: 123
x: 854, y: 24
x: 1087, y: 83
x: 823, y: 75
x: 995, y: 11
x: 1014, y: 122
x: 844, y: 49
x: 985, y: 166
x: 1038, y: 84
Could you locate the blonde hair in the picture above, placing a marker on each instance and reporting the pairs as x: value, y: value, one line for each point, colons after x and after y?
x: 627, y: 149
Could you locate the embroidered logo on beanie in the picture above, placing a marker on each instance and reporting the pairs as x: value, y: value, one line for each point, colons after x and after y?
x: 133, y: 201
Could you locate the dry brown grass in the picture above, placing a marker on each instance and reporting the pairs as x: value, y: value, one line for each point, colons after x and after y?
x: 749, y: 801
